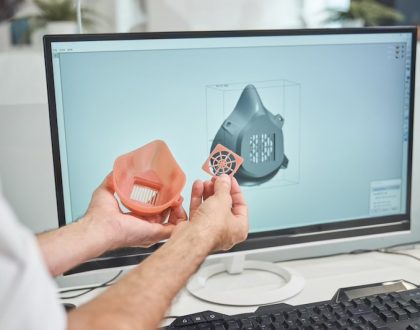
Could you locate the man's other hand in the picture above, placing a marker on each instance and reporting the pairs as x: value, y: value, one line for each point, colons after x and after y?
x: 126, y: 229
x: 218, y: 208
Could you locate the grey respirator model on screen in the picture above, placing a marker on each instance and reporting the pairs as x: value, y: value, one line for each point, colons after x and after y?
x: 255, y: 134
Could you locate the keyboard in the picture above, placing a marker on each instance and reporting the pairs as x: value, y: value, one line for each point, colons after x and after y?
x: 395, y: 310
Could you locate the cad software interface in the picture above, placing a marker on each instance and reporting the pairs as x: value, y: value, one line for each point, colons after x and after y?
x: 330, y: 145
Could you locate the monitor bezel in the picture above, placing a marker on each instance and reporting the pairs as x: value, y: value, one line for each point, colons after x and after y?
x: 255, y: 241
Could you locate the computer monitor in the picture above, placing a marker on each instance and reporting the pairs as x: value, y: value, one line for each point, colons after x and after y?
x: 322, y: 118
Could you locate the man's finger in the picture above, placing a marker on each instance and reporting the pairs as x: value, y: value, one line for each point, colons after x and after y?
x: 156, y: 218
x: 164, y: 232
x: 239, y: 206
x: 222, y: 185
x: 160, y: 232
x: 196, y: 196
x: 208, y: 189
x: 108, y: 183
x: 177, y: 215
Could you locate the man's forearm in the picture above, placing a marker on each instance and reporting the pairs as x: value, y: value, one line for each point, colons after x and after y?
x: 73, y: 244
x: 141, y: 298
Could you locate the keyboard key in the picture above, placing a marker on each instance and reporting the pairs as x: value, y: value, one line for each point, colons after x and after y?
x: 400, y: 314
x: 340, y: 315
x: 198, y: 318
x: 383, y: 298
x: 218, y: 326
x: 391, y: 306
x: 334, y: 307
x: 303, y: 314
x: 232, y: 325
x: 388, y: 317
x: 320, y: 309
x: 379, y: 308
x: 413, y: 327
x: 328, y: 316
x: 264, y: 319
x: 316, y: 327
x: 370, y: 300
x: 381, y: 327
x: 302, y: 322
x: 315, y: 319
x: 277, y: 326
x: 212, y: 316
x: 346, y: 304
x: 403, y: 303
x: 183, y: 321
x: 292, y: 314
x: 358, y: 310
x: 357, y: 302
x: 412, y: 312
x: 278, y: 317
x: 245, y: 323
x: 371, y: 318
x: 395, y: 296
x: 329, y: 325
x: 288, y: 324
x: 355, y: 321
x: 340, y: 323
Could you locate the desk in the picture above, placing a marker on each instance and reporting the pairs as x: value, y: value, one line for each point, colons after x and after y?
x: 323, y: 277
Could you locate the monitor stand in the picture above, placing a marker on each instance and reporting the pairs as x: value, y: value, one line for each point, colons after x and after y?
x: 289, y: 283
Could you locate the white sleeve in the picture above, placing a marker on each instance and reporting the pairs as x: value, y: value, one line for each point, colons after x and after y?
x: 28, y: 295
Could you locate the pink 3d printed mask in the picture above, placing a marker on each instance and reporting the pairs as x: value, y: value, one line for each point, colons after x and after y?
x: 148, y: 180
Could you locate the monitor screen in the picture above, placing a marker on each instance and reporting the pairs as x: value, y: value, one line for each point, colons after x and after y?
x: 322, y: 118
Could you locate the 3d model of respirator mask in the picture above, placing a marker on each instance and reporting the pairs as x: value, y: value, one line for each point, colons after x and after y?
x: 256, y: 135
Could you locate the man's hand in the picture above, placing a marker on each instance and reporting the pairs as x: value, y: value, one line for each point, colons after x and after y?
x: 104, y: 227
x: 218, y: 209
x: 124, y: 229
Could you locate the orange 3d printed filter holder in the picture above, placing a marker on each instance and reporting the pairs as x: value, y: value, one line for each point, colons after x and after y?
x: 222, y: 161
x: 148, y: 180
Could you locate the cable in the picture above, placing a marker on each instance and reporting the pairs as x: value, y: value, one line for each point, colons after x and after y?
x: 386, y: 251
x: 398, y: 253
x: 79, y: 16
x: 89, y: 289
x: 400, y: 245
x: 360, y: 251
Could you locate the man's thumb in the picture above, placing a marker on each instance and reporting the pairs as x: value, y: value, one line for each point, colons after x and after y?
x: 222, y: 185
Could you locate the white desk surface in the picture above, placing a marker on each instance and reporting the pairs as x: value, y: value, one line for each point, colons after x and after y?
x: 323, y: 277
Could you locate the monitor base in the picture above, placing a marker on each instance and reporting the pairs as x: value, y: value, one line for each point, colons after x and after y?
x: 290, y: 283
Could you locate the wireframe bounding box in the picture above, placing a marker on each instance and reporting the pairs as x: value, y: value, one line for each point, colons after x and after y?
x: 260, y: 121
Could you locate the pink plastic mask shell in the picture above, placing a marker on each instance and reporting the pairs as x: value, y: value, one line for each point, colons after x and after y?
x: 154, y: 167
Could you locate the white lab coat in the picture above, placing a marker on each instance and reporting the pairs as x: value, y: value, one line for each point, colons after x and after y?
x: 28, y: 295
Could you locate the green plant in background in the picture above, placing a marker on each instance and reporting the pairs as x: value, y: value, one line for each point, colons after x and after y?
x: 62, y: 10
x: 371, y: 12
